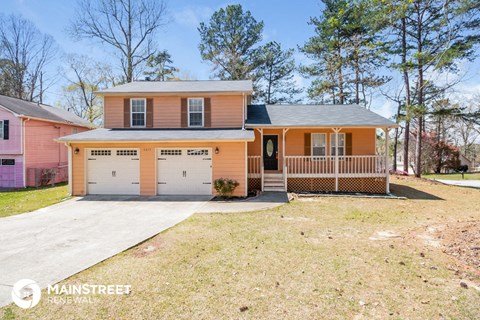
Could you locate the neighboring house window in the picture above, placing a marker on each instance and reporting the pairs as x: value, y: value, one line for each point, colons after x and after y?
x: 341, y: 144
x: 195, y: 112
x: 138, y: 112
x: 8, y: 162
x: 1, y: 130
x: 74, y: 130
x: 319, y: 144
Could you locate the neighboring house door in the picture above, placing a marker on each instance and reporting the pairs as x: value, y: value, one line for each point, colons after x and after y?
x: 270, y: 152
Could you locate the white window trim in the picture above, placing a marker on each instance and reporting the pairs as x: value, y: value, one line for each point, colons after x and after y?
x: 203, y: 112
x: 332, y: 145
x: 311, y: 144
x: 1, y: 129
x: 144, y: 113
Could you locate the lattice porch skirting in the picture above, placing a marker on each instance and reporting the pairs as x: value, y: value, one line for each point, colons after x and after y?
x: 254, y: 184
x: 367, y: 185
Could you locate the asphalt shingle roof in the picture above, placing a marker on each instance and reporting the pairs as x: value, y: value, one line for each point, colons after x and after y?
x: 41, y: 111
x: 314, y: 116
x: 182, y: 86
x: 161, y: 135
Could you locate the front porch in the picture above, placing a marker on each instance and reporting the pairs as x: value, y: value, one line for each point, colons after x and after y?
x: 302, y: 165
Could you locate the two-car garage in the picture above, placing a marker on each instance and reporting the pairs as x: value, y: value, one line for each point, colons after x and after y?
x: 179, y: 171
x: 157, y: 161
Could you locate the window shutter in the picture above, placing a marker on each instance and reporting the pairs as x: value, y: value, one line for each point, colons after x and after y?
x: 348, y: 144
x: 207, y: 113
x: 126, y: 113
x: 149, y: 123
x: 308, y: 144
x: 184, y: 113
x: 5, y: 129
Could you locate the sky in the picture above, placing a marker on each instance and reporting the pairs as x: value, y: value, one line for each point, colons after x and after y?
x: 285, y: 21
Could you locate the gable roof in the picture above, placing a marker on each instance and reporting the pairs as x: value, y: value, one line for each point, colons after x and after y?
x: 314, y: 116
x: 41, y: 111
x: 199, y: 86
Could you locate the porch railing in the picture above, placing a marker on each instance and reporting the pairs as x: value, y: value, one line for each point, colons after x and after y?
x: 348, y: 166
x: 254, y: 166
x: 324, y: 166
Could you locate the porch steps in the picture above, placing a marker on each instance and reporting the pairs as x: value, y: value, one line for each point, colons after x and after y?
x: 273, y: 182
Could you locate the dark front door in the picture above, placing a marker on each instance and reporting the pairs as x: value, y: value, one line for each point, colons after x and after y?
x: 270, y: 152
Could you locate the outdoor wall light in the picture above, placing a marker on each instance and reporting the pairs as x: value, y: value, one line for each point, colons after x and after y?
x: 76, y: 151
x: 217, y: 150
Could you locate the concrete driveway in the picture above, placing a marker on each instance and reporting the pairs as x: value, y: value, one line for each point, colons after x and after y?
x: 53, y: 243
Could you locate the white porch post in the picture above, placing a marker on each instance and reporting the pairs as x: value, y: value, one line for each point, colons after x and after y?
x: 387, y: 165
x: 284, y: 132
x: 246, y: 169
x: 261, y: 157
x: 336, y: 130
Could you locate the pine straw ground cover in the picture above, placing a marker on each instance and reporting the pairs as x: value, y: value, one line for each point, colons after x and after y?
x: 328, y: 258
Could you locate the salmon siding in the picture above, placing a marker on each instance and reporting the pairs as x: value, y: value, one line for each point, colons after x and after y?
x: 226, y: 111
x: 162, y: 137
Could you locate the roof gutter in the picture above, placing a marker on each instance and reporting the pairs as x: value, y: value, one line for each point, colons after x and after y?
x: 153, y: 141
x: 53, y: 121
x: 169, y: 93
x: 253, y: 126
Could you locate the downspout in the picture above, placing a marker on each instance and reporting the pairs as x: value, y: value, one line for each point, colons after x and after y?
x: 243, y: 110
x: 70, y: 178
x: 24, y: 152
x: 246, y: 169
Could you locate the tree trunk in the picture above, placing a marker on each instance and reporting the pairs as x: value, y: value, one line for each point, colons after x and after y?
x: 357, y: 79
x: 340, y: 76
x: 395, y: 142
x: 269, y: 90
x: 40, y: 97
x: 129, y: 45
x: 406, y: 139
x: 418, y: 145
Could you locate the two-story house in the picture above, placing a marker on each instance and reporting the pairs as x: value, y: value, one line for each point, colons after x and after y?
x: 29, y: 155
x: 166, y: 138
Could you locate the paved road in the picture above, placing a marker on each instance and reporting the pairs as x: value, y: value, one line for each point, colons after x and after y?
x: 461, y: 183
x: 53, y: 243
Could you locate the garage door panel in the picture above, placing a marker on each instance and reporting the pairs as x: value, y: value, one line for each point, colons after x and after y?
x: 185, y: 171
x: 113, y: 171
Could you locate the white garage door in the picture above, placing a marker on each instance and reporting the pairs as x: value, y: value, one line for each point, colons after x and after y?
x: 184, y: 171
x: 113, y: 171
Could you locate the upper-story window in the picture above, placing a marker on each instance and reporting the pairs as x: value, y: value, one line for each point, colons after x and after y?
x: 319, y: 144
x: 137, y: 107
x: 341, y: 144
x: 1, y: 130
x: 195, y: 112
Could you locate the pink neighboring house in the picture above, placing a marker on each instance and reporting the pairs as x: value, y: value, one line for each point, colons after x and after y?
x: 27, y: 146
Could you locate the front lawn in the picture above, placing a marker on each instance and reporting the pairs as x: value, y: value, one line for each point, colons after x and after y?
x: 30, y: 199
x: 454, y: 176
x: 325, y: 258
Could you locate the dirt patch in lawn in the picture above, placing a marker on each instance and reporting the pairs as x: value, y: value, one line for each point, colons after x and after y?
x: 462, y: 241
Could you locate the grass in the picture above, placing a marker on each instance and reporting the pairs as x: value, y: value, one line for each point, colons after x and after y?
x: 30, y: 199
x: 305, y: 260
x: 454, y: 176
